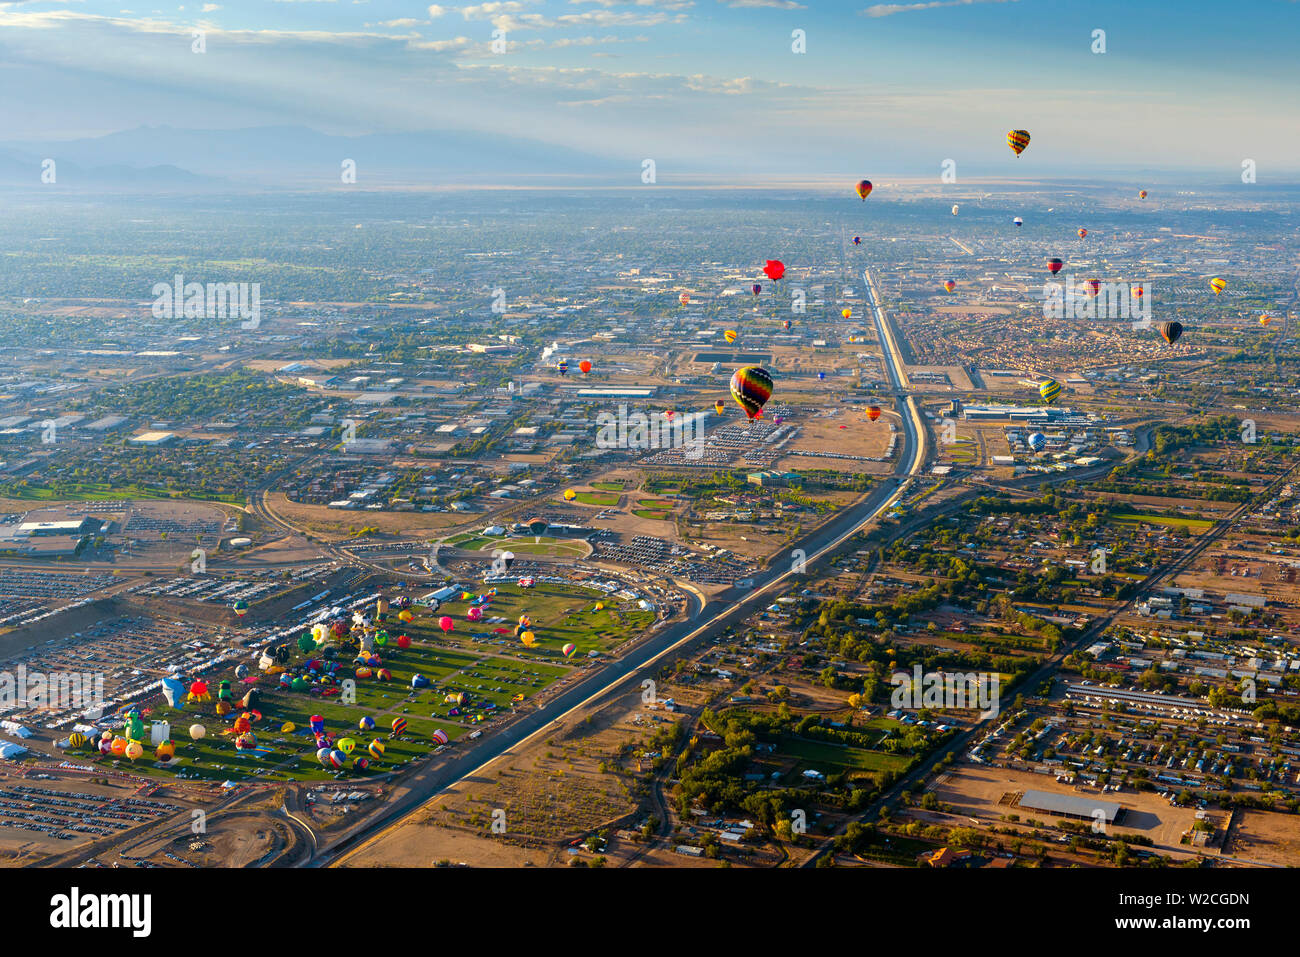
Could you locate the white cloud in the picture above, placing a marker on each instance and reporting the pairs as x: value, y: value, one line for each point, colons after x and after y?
x: 889, y: 9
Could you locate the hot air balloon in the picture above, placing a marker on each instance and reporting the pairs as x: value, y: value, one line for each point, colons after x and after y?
x: 528, y: 638
x: 949, y: 285
x: 439, y: 736
x: 955, y: 207
x: 1018, y: 221
x: 1265, y: 319
x: 846, y: 313
x: 77, y: 740
x: 241, y: 608
x: 1218, y: 285
x: 756, y: 288
x: 133, y: 750
x: 864, y: 189
x: 376, y: 749
x: 399, y: 726
x: 1049, y: 389
x: 347, y: 745
x: 730, y: 335
x: 1054, y: 266
x: 1036, y: 440
x: 199, y: 691
x: 684, y: 298
x: 1018, y: 140
x: 197, y: 731
x: 1136, y: 292
x: 1170, y: 331
x: 1142, y: 194
x: 751, y: 387
x: 1082, y: 232
x: 774, y: 269
x: 165, y: 751
x: 821, y: 375
x: 857, y: 240
x: 719, y: 407
x: 323, y: 756
x: 475, y: 613
x: 446, y: 624
x: 570, y: 495
x: 785, y: 323
x: 873, y: 412
x: 1093, y: 286
x: 173, y: 690
x: 584, y: 366
x: 538, y: 526
x: 562, y: 367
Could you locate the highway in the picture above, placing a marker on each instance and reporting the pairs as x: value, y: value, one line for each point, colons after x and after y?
x: 728, y: 608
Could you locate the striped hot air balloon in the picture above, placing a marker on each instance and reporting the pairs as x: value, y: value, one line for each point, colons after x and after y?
x: 864, y: 189
x: 1049, y: 389
x: 440, y: 736
x: 949, y: 285
x: 756, y: 288
x: 399, y: 726
x: 751, y: 387
x: 562, y: 367
x: 1093, y: 286
x: 569, y: 650
x: 730, y: 335
x: 684, y: 298
x: 1218, y: 285
x: 1054, y: 266
x: 873, y: 412
x: 376, y: 749
x: 1018, y: 221
x: 1018, y: 140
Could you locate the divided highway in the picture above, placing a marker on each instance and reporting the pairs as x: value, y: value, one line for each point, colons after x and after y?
x: 714, y: 616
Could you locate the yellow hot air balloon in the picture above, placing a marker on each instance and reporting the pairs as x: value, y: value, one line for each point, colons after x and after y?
x: 846, y: 313
x: 1218, y: 285
x: 949, y: 285
x: 730, y: 335
x: 1018, y: 140
x: 1265, y: 319
x: 718, y: 407
x: 570, y: 495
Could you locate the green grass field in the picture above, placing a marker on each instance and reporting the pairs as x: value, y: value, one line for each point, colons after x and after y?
x: 597, y: 498
x: 1192, y: 523
x: 609, y: 486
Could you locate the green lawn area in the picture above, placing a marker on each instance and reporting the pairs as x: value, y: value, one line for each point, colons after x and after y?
x: 597, y: 498
x: 650, y: 513
x: 830, y: 758
x: 609, y: 486
x: 1195, y: 523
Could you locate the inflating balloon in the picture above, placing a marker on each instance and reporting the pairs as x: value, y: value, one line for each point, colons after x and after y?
x: 197, y: 731
x: 440, y: 736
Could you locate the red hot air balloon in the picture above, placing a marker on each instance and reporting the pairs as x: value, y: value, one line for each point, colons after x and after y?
x: 774, y: 269
x: 864, y: 189
x: 1082, y: 233
x: 446, y: 623
x: 873, y: 412
x: 585, y: 366
x: 1054, y: 266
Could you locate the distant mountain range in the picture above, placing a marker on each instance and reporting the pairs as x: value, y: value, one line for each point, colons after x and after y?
x: 292, y: 156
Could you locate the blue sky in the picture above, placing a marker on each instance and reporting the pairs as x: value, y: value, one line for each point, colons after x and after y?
x: 891, y: 88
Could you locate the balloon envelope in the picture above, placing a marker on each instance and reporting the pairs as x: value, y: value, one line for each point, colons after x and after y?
x: 751, y: 387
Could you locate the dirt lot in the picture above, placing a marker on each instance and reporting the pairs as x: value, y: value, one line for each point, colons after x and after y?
x: 975, y: 791
x: 1267, y: 837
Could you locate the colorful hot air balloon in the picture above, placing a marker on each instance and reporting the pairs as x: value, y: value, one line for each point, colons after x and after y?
x: 873, y: 412
x: 949, y: 285
x: 1218, y: 285
x: 569, y: 649
x: 719, y: 407
x: 1082, y: 232
x: 1265, y: 319
x: 1136, y: 292
x: 1170, y: 331
x: 1049, y: 389
x: 584, y: 366
x: 1142, y: 194
x: 751, y: 387
x: 1054, y: 266
x: 1036, y: 440
x: 756, y: 288
x: 562, y: 367
x: 77, y: 740
x: 1018, y: 221
x: 399, y: 726
x: 846, y: 312
x: 241, y: 608
x: 376, y: 749
x: 1018, y: 140
x: 774, y: 269
x: 684, y: 298
x: 730, y: 335
x: 446, y: 624
x: 864, y: 189
x: 439, y: 736
x: 785, y: 324
x: 1093, y: 286
x: 857, y: 240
